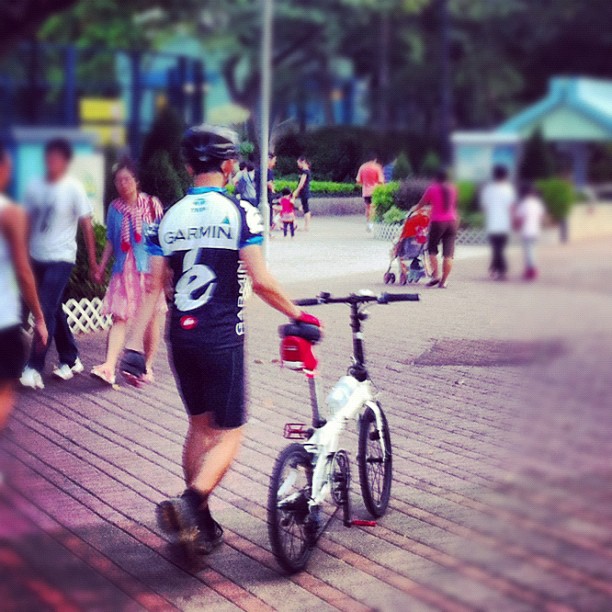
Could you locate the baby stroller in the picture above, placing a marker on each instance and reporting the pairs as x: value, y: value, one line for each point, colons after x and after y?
x: 409, y: 251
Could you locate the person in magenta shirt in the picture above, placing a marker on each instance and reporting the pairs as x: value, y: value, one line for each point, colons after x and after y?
x: 441, y: 197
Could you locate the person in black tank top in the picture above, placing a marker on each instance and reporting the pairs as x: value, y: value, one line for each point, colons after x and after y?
x: 303, y: 189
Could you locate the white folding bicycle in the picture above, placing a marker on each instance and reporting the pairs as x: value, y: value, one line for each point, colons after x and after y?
x: 307, y: 474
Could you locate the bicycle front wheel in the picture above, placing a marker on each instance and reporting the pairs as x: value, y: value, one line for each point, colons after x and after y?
x: 375, y: 464
x: 290, y: 526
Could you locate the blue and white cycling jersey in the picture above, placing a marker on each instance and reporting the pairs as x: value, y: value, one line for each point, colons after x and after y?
x: 201, y: 235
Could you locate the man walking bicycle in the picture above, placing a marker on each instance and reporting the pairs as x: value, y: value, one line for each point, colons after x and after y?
x: 210, y: 242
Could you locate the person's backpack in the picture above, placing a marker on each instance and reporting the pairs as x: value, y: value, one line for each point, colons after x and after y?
x: 246, y: 188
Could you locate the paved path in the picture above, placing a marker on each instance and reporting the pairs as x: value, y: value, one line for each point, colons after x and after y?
x: 336, y: 247
x: 499, y: 402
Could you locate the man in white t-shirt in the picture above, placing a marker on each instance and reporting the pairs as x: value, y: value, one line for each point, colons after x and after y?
x: 56, y: 206
x: 497, y: 200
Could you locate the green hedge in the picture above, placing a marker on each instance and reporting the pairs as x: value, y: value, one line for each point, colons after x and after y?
x: 80, y: 285
x: 558, y: 195
x: 402, y: 196
x: 321, y: 188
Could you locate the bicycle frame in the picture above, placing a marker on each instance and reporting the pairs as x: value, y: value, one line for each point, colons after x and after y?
x: 325, y: 440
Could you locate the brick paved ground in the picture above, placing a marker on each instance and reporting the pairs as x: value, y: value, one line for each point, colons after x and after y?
x: 499, y: 402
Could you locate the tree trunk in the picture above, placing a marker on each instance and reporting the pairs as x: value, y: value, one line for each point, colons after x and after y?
x: 384, y: 43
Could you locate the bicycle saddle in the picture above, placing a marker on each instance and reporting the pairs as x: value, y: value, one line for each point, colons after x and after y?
x: 311, y: 333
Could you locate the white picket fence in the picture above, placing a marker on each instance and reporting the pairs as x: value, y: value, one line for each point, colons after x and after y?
x: 391, y: 232
x: 84, y: 316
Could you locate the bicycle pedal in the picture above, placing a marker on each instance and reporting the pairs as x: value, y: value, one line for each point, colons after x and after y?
x: 297, y: 431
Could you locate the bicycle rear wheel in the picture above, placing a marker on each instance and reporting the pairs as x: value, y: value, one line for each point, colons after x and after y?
x: 375, y: 465
x: 291, y: 528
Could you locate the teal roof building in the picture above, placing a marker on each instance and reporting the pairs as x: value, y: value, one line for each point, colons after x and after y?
x: 576, y: 111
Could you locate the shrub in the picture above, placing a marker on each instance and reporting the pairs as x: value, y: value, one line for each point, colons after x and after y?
x: 394, y: 215
x: 410, y: 192
x: 402, y: 195
x: 384, y: 198
x: 558, y: 195
x: 402, y: 169
x: 159, y: 178
x: 162, y: 170
x: 247, y: 149
x: 538, y: 160
x: 80, y: 285
x: 431, y: 164
x: 321, y: 188
x: 466, y: 197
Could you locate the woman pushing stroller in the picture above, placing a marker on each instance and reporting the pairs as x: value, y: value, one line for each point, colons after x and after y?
x: 441, y: 196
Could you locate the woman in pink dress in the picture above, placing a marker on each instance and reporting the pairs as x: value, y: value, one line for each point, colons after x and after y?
x: 128, y: 219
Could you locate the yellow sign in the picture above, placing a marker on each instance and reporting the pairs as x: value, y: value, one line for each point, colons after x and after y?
x: 105, y: 118
x: 97, y: 110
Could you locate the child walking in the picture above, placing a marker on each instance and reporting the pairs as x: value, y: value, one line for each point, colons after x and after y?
x: 287, y: 212
x: 529, y: 215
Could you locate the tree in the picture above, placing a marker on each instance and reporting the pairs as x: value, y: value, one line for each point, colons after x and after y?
x: 162, y: 170
x: 538, y: 160
x: 22, y: 18
x: 402, y: 168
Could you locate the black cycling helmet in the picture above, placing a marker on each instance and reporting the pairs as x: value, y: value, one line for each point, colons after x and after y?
x: 205, y: 143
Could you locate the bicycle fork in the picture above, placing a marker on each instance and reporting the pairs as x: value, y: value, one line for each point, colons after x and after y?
x: 380, y: 426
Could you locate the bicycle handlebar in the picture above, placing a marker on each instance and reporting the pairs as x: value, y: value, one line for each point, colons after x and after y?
x: 355, y: 298
x: 307, y: 302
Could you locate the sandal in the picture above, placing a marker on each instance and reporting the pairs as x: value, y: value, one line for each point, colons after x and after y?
x: 99, y: 374
x: 433, y: 282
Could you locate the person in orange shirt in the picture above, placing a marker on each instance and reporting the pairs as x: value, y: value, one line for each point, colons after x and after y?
x: 369, y: 176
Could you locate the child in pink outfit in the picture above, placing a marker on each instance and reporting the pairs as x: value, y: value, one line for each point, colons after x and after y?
x: 287, y: 212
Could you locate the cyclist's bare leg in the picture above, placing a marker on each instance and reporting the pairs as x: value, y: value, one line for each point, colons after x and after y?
x: 208, y: 453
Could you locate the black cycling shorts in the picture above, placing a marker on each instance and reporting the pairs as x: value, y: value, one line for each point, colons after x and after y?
x: 12, y: 353
x: 305, y: 204
x: 212, y: 381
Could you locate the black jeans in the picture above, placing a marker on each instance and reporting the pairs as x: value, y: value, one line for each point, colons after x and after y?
x: 498, y: 259
x: 51, y: 280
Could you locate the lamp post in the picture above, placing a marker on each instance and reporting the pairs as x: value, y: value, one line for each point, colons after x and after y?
x: 266, y: 88
x: 446, y: 88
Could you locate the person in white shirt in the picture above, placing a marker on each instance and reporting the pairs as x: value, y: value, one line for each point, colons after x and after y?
x: 497, y: 200
x: 16, y: 281
x: 56, y: 206
x: 529, y: 216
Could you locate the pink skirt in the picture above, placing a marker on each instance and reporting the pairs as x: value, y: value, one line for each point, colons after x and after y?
x: 126, y: 292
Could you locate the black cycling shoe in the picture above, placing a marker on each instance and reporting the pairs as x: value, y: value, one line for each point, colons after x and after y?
x: 197, y: 531
x: 211, y: 535
x: 177, y: 517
